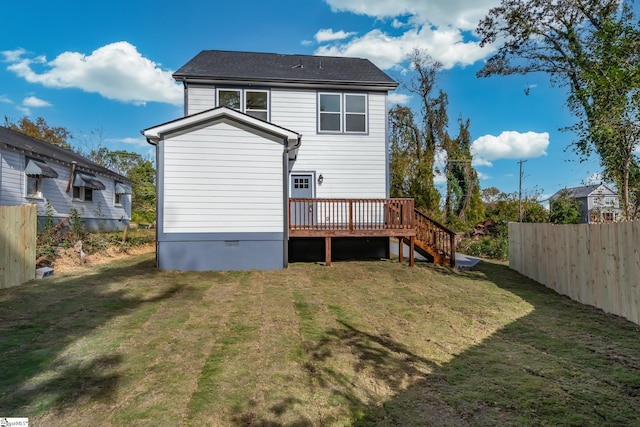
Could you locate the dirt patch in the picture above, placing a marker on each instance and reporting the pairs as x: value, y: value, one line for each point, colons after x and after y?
x: 69, y: 260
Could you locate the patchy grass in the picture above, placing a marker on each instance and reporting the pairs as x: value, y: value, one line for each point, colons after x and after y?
x: 358, y: 343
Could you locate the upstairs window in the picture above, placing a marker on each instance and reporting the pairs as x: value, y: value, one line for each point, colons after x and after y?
x: 257, y: 104
x: 355, y: 111
x: 342, y: 113
x: 330, y: 112
x: 254, y: 103
x: 229, y: 98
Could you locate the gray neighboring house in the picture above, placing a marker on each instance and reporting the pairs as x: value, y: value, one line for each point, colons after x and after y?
x: 598, y: 203
x: 36, y: 172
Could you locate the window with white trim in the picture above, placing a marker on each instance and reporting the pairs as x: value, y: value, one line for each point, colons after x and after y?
x: 252, y: 102
x: 342, y: 112
x: 34, y: 187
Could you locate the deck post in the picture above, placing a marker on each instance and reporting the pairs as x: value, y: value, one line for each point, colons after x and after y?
x: 327, y: 251
x: 411, y: 251
x: 400, y: 249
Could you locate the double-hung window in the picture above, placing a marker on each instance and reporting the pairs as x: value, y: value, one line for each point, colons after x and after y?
x: 342, y: 113
x: 252, y: 102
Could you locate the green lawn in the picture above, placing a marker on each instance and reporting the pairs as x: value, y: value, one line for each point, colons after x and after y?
x: 358, y: 343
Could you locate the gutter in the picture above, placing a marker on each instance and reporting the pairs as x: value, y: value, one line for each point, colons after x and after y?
x: 285, y: 192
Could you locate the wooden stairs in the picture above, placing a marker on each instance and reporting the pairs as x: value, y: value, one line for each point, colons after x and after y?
x: 433, y: 240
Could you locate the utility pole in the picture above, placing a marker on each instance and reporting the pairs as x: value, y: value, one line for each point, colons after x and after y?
x: 520, y: 191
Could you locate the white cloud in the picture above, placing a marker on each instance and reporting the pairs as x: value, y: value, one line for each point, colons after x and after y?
x: 12, y: 55
x: 509, y: 145
x: 442, y: 28
x: 328, y: 34
x: 444, y: 45
x: 477, y: 161
x: 483, y: 176
x: 463, y: 14
x: 116, y: 71
x: 399, y: 98
x: 5, y: 99
x: 32, y: 101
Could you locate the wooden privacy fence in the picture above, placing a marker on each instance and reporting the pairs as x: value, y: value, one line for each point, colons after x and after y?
x: 595, y: 264
x: 18, y: 229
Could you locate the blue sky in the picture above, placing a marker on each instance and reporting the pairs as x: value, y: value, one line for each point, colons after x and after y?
x: 103, y: 70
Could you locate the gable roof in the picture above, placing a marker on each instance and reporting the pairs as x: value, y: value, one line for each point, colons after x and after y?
x: 287, y: 70
x: 42, y: 149
x: 155, y: 133
x: 584, y: 191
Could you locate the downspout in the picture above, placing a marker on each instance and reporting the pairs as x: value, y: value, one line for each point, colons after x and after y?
x: 285, y: 168
x: 155, y: 144
x: 73, y: 171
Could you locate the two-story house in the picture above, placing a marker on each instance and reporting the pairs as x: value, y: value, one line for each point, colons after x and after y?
x: 275, y: 156
x: 597, y: 203
x: 58, y: 180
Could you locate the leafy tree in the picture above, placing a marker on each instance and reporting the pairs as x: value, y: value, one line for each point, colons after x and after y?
x: 40, y: 129
x: 490, y: 196
x: 143, y: 197
x: 506, y: 209
x: 139, y: 170
x: 608, y: 105
x: 564, y: 209
x: 589, y: 46
x: 414, y: 141
x: 463, y: 203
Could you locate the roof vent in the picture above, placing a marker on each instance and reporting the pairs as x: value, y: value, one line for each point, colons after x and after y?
x: 299, y: 65
x: 320, y: 65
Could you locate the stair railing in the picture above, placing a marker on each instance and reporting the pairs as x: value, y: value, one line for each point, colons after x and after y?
x: 440, y: 239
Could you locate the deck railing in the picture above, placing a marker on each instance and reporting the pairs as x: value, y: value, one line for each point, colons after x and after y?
x: 351, y: 217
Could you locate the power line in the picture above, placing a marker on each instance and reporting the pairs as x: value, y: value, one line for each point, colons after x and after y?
x: 520, y: 191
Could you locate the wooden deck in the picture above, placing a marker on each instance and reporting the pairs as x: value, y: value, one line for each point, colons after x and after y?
x: 395, y: 217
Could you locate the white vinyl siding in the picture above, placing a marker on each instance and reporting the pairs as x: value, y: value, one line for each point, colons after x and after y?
x: 352, y: 165
x: 200, y: 98
x: 222, y: 179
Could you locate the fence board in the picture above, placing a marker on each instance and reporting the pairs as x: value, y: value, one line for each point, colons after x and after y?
x: 595, y: 264
x: 18, y: 228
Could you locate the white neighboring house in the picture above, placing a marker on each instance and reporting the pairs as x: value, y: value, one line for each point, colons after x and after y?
x: 258, y: 129
x: 598, y: 203
x: 37, y: 172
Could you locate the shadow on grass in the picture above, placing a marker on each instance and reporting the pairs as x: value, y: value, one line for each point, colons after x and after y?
x: 39, y: 323
x: 561, y: 364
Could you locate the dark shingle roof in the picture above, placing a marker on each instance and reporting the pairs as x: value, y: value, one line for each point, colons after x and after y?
x: 272, y: 67
x: 579, y: 192
x: 50, y: 151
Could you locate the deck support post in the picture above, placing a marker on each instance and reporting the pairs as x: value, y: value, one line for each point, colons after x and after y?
x: 327, y: 251
x: 411, y: 251
x: 400, y: 250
